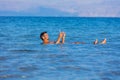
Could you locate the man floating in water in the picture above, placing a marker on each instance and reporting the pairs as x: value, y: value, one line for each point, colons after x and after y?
x: 45, y: 38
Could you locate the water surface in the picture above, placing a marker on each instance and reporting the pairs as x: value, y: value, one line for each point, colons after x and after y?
x: 23, y: 57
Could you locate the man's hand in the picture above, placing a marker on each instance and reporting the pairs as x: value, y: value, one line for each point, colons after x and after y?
x: 61, y: 35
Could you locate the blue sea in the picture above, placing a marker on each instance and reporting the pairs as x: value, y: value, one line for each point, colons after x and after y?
x: 23, y: 57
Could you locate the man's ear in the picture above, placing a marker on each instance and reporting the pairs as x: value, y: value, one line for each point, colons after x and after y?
x: 43, y: 37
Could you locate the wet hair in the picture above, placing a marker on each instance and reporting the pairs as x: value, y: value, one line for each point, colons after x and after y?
x: 42, y: 34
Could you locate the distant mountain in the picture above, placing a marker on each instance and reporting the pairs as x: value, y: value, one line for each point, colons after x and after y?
x: 41, y: 11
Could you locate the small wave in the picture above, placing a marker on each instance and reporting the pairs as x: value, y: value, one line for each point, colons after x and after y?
x: 28, y: 68
x: 3, y: 35
x: 12, y: 76
x: 115, y: 62
x: 51, y: 55
x: 73, y: 68
x: 67, y: 60
x: 112, y: 73
x: 57, y: 55
x: 117, y: 73
x: 25, y: 50
x: 2, y: 58
x: 106, y: 78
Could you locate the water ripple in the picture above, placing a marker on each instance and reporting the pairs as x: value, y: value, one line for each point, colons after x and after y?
x: 9, y: 76
x: 72, y: 68
x: 28, y: 68
x: 24, y: 50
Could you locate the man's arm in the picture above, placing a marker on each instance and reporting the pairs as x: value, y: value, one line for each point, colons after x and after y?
x: 63, y: 38
x: 59, y: 38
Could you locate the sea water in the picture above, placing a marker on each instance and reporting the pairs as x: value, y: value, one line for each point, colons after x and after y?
x: 23, y: 57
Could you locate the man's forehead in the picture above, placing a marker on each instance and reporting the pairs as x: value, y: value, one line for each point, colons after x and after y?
x: 45, y: 34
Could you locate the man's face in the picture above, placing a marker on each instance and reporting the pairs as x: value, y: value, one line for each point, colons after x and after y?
x: 45, y: 36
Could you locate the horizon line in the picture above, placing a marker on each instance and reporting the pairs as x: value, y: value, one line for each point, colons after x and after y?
x: 66, y: 16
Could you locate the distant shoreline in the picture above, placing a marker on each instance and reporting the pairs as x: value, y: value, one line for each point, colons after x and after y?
x: 60, y: 16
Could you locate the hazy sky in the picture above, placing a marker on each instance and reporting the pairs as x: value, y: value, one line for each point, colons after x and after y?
x: 99, y: 8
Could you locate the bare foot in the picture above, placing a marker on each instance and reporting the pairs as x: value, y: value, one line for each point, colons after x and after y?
x: 104, y: 41
x: 96, y: 41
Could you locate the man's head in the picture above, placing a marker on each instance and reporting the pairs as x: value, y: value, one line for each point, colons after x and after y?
x: 44, y: 36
